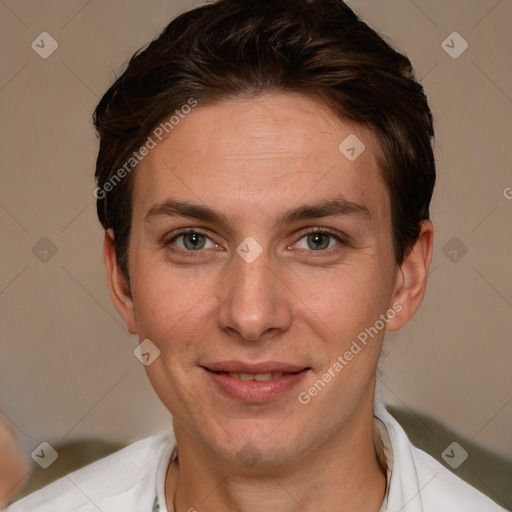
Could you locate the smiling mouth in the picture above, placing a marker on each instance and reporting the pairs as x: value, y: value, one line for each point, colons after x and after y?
x: 263, y: 384
x: 260, y: 377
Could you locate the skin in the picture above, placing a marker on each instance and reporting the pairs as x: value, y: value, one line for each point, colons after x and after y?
x: 252, y: 160
x: 12, y: 466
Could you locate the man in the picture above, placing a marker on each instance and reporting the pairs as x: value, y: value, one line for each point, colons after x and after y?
x: 264, y: 178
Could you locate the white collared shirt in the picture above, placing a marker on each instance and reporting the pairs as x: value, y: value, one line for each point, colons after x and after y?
x: 133, y: 480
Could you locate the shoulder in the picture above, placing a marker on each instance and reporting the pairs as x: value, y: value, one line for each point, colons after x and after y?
x: 419, y: 483
x: 124, y: 479
x: 455, y: 493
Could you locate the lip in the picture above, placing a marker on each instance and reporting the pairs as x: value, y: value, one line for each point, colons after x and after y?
x: 261, y: 367
x: 251, y: 390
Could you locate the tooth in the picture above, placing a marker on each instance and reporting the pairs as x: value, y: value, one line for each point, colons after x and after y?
x: 263, y: 376
x: 255, y: 376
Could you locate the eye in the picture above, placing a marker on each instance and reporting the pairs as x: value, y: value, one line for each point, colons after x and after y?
x: 319, y: 241
x: 192, y: 241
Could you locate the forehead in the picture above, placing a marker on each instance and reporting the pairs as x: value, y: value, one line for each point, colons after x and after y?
x: 260, y: 153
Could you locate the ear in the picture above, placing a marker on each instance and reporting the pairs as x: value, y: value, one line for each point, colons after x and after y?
x: 411, y: 279
x: 119, y: 289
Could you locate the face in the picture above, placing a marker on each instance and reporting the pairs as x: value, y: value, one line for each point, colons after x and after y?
x: 259, y: 255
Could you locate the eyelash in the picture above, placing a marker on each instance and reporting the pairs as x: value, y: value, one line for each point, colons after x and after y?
x: 342, y: 239
x: 189, y: 254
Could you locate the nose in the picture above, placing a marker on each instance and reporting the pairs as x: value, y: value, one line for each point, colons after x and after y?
x: 254, y: 302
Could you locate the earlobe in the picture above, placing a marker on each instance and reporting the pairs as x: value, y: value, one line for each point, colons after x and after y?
x: 119, y: 289
x: 411, y: 280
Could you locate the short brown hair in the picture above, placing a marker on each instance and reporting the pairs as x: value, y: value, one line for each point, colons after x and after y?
x: 236, y: 48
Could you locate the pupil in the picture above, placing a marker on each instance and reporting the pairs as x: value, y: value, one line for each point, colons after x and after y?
x: 318, y: 241
x: 194, y: 241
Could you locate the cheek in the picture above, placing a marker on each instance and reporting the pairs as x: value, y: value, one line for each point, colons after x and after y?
x: 345, y: 299
x: 171, y: 307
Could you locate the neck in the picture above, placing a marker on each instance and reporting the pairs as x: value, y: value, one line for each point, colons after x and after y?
x: 342, y: 473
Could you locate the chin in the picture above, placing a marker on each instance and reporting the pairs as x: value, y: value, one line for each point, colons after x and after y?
x: 255, y: 443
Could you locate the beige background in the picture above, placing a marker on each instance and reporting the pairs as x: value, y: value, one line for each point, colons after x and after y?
x: 67, y: 367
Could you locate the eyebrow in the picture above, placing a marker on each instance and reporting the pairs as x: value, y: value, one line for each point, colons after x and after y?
x: 331, y: 207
